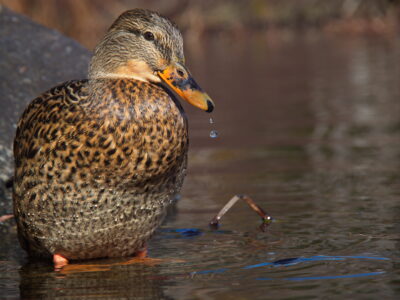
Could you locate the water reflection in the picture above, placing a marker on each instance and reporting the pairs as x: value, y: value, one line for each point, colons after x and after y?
x: 138, y: 281
x: 353, y: 147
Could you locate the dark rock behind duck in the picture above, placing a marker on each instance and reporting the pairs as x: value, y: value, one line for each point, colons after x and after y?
x: 29, y: 66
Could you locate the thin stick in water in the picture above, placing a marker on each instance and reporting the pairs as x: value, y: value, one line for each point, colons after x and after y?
x: 266, y: 219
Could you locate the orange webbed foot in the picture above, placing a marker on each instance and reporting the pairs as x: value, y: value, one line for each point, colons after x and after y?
x: 142, y: 253
x: 59, y: 262
x: 141, y: 257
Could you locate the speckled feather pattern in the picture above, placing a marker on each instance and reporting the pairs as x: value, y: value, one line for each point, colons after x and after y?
x: 96, y: 164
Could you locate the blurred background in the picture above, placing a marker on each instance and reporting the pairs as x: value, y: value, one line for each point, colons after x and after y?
x: 308, y: 114
x: 87, y: 20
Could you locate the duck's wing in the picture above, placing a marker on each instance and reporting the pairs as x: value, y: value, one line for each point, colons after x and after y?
x: 48, y: 121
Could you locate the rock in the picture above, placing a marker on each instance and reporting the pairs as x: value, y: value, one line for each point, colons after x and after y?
x: 33, y: 58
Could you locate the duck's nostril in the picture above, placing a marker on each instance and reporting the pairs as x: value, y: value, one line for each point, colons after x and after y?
x: 180, y: 73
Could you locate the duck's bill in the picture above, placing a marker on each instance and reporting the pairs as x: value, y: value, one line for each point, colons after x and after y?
x: 178, y: 78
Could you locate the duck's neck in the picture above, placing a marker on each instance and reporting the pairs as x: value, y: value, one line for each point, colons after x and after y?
x: 131, y: 69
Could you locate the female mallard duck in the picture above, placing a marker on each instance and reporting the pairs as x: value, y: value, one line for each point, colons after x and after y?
x: 98, y: 161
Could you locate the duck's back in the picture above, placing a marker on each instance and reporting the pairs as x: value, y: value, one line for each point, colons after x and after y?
x: 96, y: 164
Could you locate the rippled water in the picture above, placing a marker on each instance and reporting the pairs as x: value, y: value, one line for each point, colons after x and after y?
x: 310, y: 128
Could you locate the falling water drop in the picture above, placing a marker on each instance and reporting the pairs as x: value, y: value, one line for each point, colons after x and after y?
x: 213, y: 134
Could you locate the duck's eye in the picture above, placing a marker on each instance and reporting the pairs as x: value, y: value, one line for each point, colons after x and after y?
x: 149, y: 36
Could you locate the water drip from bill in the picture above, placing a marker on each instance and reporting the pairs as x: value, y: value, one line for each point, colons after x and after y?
x: 213, y: 133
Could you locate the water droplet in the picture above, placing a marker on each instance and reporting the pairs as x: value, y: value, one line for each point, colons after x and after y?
x: 213, y: 134
x: 211, y: 121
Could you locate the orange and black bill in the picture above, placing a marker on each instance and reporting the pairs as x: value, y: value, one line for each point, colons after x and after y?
x: 178, y: 78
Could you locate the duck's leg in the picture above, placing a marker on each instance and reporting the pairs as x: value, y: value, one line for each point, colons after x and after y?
x: 142, y: 253
x: 6, y: 217
x: 141, y: 256
x: 59, y: 261
x: 266, y: 219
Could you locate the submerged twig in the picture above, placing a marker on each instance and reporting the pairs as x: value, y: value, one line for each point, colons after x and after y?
x: 266, y: 219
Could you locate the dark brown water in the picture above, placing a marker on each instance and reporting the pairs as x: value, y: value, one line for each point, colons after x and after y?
x: 310, y: 128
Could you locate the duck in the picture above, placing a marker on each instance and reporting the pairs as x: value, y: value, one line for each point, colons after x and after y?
x: 99, y: 160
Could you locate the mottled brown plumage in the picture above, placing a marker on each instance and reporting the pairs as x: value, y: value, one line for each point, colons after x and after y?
x: 98, y: 161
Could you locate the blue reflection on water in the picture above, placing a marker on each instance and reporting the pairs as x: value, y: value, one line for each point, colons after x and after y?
x: 293, y: 261
x: 179, y: 233
x: 211, y: 271
x: 296, y: 260
x: 326, y: 277
x: 183, y: 232
x: 194, y: 232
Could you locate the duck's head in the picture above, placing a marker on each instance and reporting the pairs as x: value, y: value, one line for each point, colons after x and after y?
x: 145, y: 46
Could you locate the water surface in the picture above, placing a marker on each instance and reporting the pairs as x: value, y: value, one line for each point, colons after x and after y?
x: 309, y: 127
